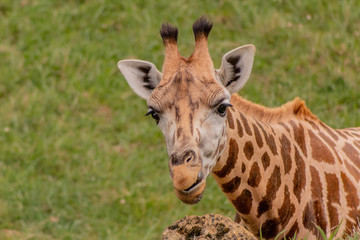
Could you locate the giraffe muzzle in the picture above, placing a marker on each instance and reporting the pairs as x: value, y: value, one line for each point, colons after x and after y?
x: 192, y: 194
x: 195, y: 185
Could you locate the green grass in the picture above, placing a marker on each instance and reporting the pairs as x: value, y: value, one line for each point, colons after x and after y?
x: 78, y: 159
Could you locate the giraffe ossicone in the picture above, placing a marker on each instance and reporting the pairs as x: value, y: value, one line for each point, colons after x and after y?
x: 282, y: 168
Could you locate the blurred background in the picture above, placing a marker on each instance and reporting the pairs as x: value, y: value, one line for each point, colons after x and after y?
x: 78, y: 159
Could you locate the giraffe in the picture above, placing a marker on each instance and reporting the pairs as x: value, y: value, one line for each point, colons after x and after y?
x: 281, y: 168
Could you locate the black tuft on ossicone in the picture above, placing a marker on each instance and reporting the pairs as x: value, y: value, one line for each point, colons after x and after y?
x: 202, y: 26
x: 168, y: 32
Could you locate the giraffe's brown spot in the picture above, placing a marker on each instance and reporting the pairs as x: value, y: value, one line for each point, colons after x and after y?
x: 299, y: 180
x: 356, y: 135
x: 313, y: 125
x: 179, y: 131
x: 348, y: 133
x: 287, y: 209
x: 257, y: 136
x: 270, y: 228
x: 329, y: 131
x: 271, y: 143
x: 320, y: 151
x: 271, y: 128
x: 317, y: 199
x: 264, y: 206
x: 230, y: 119
x: 352, y: 197
x: 269, y: 138
x: 243, y: 168
x: 285, y: 126
x: 273, y: 184
x: 319, y: 210
x: 248, y: 150
x: 352, y: 154
x: 349, y: 227
x: 341, y: 134
x: 316, y: 186
x: 239, y: 127
x: 357, y: 144
x: 254, y: 176
x: 243, y: 203
x: 354, y: 214
x: 333, y: 196
x: 285, y: 153
x: 265, y: 159
x: 232, y: 185
x: 331, y: 144
x: 353, y: 171
x: 246, y: 124
x: 293, y: 230
x: 299, y: 135
x: 231, y: 160
x: 309, y: 218
x: 272, y: 187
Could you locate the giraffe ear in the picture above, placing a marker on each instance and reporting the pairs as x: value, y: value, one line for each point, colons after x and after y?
x: 142, y: 76
x: 236, y: 67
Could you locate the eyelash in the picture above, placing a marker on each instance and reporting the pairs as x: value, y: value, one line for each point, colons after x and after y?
x: 221, y: 109
x: 154, y: 115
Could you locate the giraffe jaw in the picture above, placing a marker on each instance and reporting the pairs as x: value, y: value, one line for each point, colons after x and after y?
x: 193, y: 194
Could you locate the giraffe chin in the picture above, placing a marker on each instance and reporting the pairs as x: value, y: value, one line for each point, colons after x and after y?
x: 192, y: 197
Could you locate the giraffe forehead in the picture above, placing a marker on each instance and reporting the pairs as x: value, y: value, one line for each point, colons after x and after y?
x: 186, y: 91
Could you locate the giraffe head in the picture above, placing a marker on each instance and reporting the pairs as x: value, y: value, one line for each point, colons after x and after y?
x: 188, y: 101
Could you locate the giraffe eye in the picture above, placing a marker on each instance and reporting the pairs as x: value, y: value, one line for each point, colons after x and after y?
x: 222, y: 109
x: 154, y: 115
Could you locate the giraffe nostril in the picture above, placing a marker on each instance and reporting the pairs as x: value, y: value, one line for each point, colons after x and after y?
x: 189, y: 156
x: 182, y: 158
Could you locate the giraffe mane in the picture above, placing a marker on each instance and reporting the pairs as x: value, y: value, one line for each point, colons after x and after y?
x: 294, y: 108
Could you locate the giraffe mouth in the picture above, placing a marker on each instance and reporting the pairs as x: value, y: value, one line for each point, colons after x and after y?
x: 192, y: 186
x: 192, y: 194
x: 195, y: 185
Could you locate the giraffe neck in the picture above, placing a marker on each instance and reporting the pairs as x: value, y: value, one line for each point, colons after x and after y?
x: 249, y: 173
x: 273, y: 173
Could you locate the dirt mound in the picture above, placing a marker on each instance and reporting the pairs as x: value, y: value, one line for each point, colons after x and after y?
x: 210, y: 226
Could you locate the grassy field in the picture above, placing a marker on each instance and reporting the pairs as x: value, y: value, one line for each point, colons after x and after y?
x: 77, y: 158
